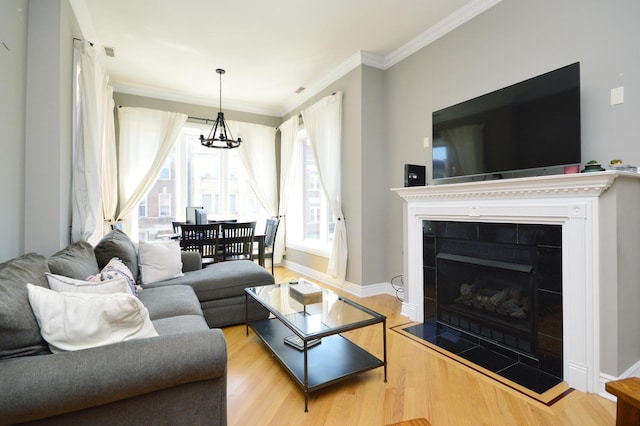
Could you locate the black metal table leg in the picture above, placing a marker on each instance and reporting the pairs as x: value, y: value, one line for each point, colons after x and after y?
x: 384, y: 344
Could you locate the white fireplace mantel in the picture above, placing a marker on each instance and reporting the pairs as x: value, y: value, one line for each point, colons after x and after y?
x: 573, y: 201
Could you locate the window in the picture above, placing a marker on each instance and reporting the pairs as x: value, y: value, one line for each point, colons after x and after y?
x: 165, y: 173
x: 200, y: 176
x: 310, y: 222
x: 206, y: 203
x: 142, y: 208
x: 164, y: 205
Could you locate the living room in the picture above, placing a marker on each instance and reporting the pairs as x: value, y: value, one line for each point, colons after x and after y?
x: 387, y: 115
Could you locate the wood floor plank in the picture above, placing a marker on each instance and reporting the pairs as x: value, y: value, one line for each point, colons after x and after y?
x: 422, y: 383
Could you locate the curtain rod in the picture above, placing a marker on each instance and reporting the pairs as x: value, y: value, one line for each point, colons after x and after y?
x: 190, y: 117
x: 300, y: 114
x: 206, y: 120
x: 79, y: 39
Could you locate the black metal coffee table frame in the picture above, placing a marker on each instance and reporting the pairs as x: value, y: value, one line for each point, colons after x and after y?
x: 335, y: 359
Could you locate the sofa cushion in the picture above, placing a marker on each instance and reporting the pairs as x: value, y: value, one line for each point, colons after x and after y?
x: 75, y: 321
x: 75, y: 261
x: 170, y: 301
x: 117, y: 244
x: 180, y: 324
x: 20, y: 334
x: 159, y: 260
x: 222, y: 280
x: 70, y: 285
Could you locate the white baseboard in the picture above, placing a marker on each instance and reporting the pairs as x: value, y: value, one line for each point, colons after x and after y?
x: 633, y: 371
x: 351, y: 288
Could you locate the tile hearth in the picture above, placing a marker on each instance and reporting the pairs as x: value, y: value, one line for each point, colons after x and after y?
x: 488, y: 356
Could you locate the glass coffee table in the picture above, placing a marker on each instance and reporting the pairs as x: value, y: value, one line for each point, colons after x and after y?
x: 304, y: 333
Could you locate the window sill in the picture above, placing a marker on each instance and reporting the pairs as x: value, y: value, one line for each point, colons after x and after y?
x: 310, y: 248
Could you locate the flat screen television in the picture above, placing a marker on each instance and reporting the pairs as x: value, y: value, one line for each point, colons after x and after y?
x: 519, y: 130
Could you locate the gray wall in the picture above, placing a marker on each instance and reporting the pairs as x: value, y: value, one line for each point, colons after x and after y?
x: 36, y: 125
x: 13, y: 63
x: 363, y: 168
x: 515, y: 40
x: 52, y: 27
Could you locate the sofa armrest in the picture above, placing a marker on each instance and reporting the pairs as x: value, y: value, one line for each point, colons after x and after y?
x: 191, y: 261
x: 49, y: 385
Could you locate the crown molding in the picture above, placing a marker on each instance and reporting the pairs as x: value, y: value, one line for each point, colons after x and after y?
x: 451, y: 22
x: 169, y: 95
x: 446, y: 25
x: 294, y: 101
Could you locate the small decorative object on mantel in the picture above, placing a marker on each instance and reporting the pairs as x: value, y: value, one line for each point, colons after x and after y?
x: 619, y: 166
x: 305, y: 293
x: 592, y: 166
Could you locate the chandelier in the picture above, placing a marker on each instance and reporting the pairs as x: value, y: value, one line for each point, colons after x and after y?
x: 220, y: 136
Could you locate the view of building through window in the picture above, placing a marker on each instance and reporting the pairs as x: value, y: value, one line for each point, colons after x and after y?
x: 193, y: 175
x: 310, y: 222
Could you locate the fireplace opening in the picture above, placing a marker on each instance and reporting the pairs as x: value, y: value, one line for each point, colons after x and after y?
x: 491, y: 299
x: 493, y: 295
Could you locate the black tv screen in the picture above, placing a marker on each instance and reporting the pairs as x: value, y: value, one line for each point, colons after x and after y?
x: 531, y: 125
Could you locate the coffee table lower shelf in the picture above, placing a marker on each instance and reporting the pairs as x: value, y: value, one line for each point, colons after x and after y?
x: 335, y: 359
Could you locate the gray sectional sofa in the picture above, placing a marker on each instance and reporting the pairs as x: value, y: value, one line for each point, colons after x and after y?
x: 178, y: 377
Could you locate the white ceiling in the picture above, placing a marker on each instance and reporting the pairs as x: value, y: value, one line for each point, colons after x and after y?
x: 269, y: 48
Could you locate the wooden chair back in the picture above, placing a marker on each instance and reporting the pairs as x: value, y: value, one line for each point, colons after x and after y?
x: 236, y: 240
x: 270, y: 230
x: 201, y: 238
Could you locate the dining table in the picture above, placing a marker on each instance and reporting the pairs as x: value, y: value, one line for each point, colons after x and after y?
x: 257, y: 239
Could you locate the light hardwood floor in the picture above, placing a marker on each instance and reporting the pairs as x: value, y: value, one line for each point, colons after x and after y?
x: 421, y: 383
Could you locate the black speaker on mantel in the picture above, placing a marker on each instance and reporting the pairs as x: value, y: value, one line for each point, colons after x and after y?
x: 414, y: 175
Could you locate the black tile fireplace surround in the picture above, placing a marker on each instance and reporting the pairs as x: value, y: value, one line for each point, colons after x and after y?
x: 493, y: 295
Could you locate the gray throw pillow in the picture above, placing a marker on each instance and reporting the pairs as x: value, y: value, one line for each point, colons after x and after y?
x: 20, y: 333
x: 75, y: 261
x: 117, y: 244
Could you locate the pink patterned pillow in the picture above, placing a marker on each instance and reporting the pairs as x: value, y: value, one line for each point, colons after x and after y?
x: 114, y: 269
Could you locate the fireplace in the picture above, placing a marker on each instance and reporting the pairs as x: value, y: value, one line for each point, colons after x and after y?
x: 500, y: 284
x: 598, y: 223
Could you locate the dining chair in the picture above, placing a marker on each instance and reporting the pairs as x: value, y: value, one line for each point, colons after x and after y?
x: 203, y: 239
x: 177, y: 227
x: 270, y: 230
x: 236, y: 240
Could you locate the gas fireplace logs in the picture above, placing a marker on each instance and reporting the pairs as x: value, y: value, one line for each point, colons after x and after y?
x: 507, y: 300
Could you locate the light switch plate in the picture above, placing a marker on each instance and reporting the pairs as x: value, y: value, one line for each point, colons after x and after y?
x: 617, y: 96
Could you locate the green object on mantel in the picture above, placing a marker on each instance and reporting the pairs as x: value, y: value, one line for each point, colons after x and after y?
x: 592, y: 166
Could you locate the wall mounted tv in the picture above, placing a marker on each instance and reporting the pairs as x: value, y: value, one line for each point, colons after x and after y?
x: 523, y: 129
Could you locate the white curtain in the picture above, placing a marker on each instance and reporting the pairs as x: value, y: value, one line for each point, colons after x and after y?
x: 258, y: 154
x: 146, y: 139
x: 288, y: 154
x: 323, y: 122
x: 109, y: 169
x: 93, y: 135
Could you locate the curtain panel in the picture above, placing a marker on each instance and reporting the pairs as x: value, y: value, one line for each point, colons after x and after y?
x: 258, y: 155
x: 288, y: 154
x: 93, y: 139
x: 323, y: 121
x: 146, y: 139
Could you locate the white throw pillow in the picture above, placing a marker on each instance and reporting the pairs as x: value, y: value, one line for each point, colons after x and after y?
x: 159, y: 260
x: 75, y: 321
x: 70, y: 285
